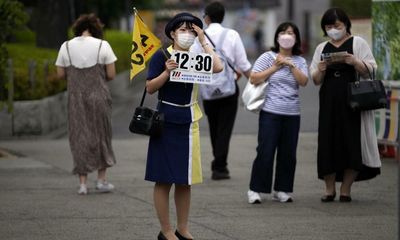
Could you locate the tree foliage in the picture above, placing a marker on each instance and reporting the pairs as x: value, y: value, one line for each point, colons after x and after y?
x: 386, y: 36
x: 110, y: 10
x: 106, y: 10
x: 147, y: 4
x: 354, y: 8
x: 51, y: 19
x: 12, y: 17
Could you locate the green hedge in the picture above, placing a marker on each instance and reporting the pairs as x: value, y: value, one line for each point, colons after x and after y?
x: 121, y: 43
x: 22, y: 54
x: 24, y: 50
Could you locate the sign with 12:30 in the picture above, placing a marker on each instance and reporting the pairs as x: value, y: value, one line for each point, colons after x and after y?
x: 192, y: 67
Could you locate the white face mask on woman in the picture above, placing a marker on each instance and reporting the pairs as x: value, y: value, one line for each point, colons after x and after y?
x: 286, y: 41
x: 185, y: 40
x: 336, y: 34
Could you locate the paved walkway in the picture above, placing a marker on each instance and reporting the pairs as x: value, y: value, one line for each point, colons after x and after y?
x: 38, y: 198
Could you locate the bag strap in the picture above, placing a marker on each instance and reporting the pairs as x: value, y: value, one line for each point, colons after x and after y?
x: 98, y: 51
x: 167, y: 55
x: 69, y: 56
x: 222, y: 39
x: 372, y: 76
x: 220, y: 50
x: 143, y: 96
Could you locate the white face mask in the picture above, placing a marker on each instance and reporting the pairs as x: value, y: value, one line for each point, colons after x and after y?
x: 286, y: 41
x: 185, y: 40
x: 336, y: 34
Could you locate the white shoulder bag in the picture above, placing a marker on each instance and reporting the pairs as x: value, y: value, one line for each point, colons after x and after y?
x: 253, y: 96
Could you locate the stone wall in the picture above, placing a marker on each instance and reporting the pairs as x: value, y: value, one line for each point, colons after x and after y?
x: 36, y: 117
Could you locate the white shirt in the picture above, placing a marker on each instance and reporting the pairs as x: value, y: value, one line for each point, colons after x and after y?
x: 83, y: 52
x: 232, y: 47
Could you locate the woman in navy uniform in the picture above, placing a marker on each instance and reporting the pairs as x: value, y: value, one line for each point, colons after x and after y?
x: 174, y: 157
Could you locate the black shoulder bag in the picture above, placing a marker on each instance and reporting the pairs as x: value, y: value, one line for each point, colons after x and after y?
x: 148, y: 121
x: 367, y: 95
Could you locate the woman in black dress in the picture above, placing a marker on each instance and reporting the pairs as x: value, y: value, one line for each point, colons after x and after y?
x: 347, y: 146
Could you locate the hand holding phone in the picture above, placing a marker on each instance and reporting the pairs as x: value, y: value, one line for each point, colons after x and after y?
x: 334, y: 57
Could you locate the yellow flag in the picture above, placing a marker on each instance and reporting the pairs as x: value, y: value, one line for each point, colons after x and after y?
x: 144, y: 45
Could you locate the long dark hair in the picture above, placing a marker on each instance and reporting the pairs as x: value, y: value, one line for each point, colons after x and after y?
x: 296, y: 50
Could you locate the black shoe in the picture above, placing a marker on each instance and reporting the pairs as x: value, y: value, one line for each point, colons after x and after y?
x: 328, y: 198
x: 161, y: 236
x: 180, y: 237
x: 343, y: 198
x: 217, y: 175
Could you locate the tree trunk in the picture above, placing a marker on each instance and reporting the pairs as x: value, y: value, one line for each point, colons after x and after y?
x: 52, y: 22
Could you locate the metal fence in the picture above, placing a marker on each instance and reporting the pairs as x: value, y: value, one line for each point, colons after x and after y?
x: 387, y: 119
x: 7, y: 88
x: 9, y: 83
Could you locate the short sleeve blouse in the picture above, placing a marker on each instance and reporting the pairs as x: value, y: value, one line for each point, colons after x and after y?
x: 282, y: 96
x: 84, y: 51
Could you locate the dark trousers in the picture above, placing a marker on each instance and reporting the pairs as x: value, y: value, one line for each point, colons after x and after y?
x: 221, y: 114
x: 276, y: 133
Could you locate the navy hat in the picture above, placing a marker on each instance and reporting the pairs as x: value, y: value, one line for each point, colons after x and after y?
x: 179, y: 18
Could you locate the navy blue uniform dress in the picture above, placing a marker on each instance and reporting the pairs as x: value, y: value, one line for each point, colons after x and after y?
x: 174, y: 157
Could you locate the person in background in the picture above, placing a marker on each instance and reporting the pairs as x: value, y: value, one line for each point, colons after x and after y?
x: 87, y: 62
x: 221, y: 110
x: 347, y: 144
x: 174, y: 157
x: 258, y: 37
x: 279, y: 120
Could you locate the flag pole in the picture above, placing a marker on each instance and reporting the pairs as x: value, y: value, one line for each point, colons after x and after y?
x: 137, y: 13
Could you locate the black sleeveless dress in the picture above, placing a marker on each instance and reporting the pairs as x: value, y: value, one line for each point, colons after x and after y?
x: 339, y: 130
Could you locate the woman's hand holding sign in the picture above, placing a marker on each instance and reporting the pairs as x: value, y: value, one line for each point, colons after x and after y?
x: 170, y: 65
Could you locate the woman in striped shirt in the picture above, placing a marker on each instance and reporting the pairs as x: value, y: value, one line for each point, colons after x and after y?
x: 279, y: 120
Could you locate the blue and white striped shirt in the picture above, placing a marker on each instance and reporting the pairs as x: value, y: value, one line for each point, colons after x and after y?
x: 282, y: 94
